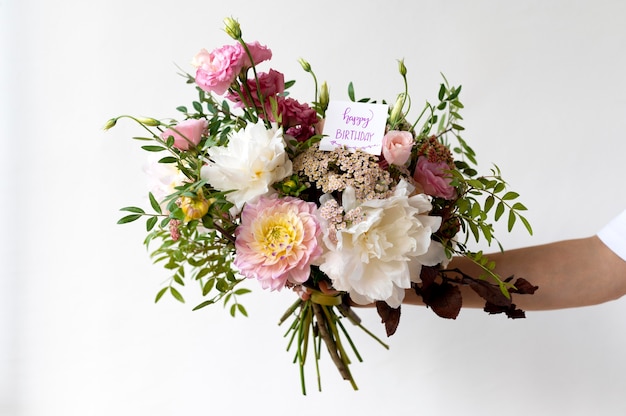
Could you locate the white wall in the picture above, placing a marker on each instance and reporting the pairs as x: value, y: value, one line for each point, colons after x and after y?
x: 544, y: 95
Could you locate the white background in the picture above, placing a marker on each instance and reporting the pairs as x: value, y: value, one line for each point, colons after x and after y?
x: 544, y: 91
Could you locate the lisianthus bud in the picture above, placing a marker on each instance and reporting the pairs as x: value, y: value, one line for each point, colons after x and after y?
x: 233, y: 28
x: 402, y: 67
x: 194, y: 208
x: 324, y: 96
x: 305, y: 65
x: 149, y: 121
x: 111, y: 123
x: 396, y: 111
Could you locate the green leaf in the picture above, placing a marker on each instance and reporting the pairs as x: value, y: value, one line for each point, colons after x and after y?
x: 168, y: 159
x: 519, y: 206
x: 222, y: 285
x: 511, y: 221
x: 442, y: 92
x: 499, y: 187
x: 351, y: 91
x: 474, y: 230
x: 499, y: 210
x: 510, y: 195
x: 176, y: 294
x: 152, y: 148
x: 197, y: 106
x: 455, y: 93
x: 133, y: 209
x: 160, y: 294
x: 203, y: 304
x: 202, y: 273
x: 457, y: 126
x: 489, y: 201
x: 526, y: 224
x: 150, y: 223
x: 155, y: 204
x: 242, y: 310
x: 208, y: 286
x: 129, y: 218
x: 242, y: 291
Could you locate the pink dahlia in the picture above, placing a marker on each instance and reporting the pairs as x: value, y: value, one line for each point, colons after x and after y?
x: 277, y: 241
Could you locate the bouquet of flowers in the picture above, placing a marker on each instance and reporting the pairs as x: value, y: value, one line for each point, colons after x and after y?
x: 344, y: 203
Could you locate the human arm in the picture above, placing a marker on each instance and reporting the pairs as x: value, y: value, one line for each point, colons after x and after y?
x: 569, y: 273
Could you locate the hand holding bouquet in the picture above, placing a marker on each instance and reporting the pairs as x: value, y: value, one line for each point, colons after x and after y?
x: 247, y: 191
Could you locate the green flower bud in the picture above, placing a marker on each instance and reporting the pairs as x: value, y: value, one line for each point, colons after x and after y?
x: 109, y: 124
x: 305, y: 65
x: 232, y: 28
x: 396, y: 111
x: 149, y: 121
x: 402, y: 67
x: 324, y: 96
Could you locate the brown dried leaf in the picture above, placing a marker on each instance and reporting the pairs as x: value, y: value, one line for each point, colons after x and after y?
x: 524, y: 287
x: 428, y: 276
x: 511, y: 311
x: 444, y: 299
x: 491, y: 293
x: 389, y: 316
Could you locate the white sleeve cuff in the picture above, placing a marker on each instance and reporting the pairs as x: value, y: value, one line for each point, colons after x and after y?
x: 614, y: 235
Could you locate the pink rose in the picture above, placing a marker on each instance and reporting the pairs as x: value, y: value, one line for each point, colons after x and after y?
x: 187, y: 133
x: 260, y: 53
x: 397, y: 146
x: 217, y: 70
x: 434, y: 179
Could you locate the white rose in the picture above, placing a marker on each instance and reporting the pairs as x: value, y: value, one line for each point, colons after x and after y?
x: 377, y: 257
x: 253, y: 160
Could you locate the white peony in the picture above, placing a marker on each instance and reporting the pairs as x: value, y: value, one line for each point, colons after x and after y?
x: 253, y: 160
x: 377, y: 257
